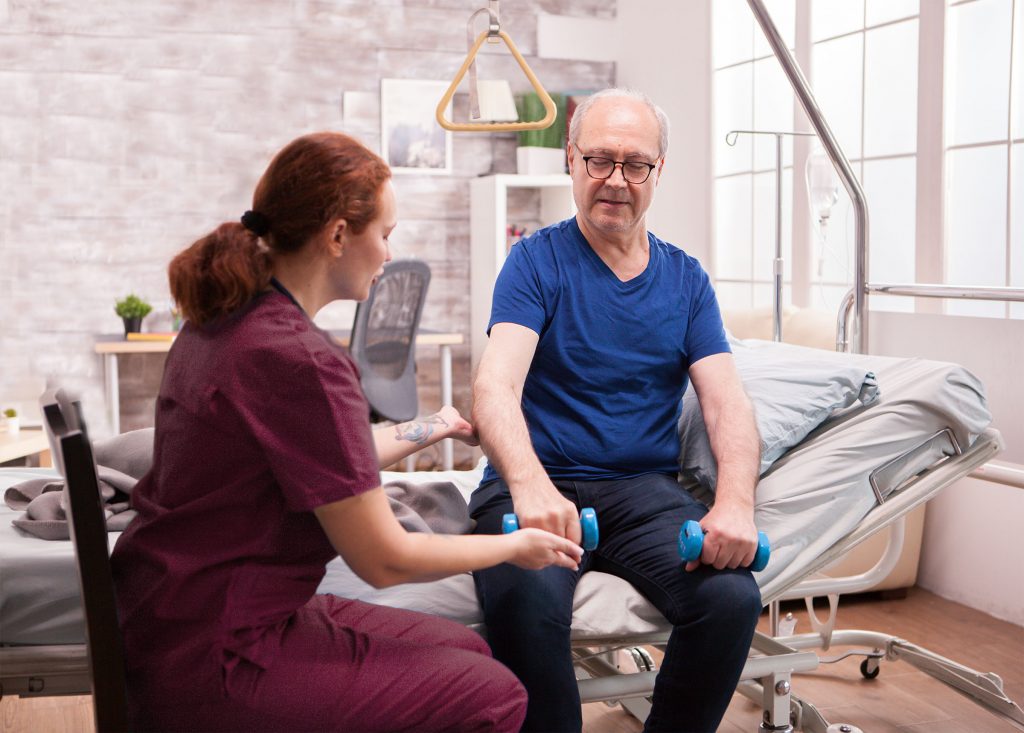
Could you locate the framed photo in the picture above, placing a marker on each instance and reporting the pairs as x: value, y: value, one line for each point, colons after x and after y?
x: 411, y: 141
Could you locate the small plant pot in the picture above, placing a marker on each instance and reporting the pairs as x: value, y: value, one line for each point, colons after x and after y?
x: 13, y: 426
x: 540, y: 161
x: 132, y: 325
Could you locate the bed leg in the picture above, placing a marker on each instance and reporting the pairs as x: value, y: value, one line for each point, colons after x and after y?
x: 985, y: 688
x: 638, y: 707
x: 775, y: 700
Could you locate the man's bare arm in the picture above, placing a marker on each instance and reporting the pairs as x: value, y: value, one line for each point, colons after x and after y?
x: 729, y: 417
x: 498, y: 417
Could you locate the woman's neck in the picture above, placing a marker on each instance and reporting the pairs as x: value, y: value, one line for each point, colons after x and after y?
x: 304, y: 280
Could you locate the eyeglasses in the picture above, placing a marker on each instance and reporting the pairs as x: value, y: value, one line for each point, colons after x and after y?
x: 633, y: 171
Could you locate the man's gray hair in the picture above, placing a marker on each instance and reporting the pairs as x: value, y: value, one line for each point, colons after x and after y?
x: 586, y: 104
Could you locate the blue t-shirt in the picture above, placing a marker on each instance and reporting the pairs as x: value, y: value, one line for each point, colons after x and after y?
x: 603, y: 394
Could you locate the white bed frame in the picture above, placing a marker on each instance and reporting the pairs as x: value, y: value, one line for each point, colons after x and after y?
x: 767, y: 678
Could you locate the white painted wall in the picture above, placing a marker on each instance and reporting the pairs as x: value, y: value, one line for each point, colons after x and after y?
x: 665, y: 51
x: 973, y: 548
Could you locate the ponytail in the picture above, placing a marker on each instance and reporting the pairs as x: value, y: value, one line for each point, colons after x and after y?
x: 219, y: 273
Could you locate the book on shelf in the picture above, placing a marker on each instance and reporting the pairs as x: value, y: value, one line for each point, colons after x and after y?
x: 151, y: 336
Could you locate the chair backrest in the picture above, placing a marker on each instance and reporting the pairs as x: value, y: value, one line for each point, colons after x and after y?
x: 72, y: 454
x: 384, y: 339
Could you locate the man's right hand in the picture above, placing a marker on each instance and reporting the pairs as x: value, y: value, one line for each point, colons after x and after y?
x: 543, y: 507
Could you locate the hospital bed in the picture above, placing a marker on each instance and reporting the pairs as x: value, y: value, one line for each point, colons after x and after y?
x: 860, y: 470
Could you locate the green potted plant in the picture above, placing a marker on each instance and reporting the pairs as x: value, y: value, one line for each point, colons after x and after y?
x: 541, y: 151
x: 132, y: 310
x: 13, y: 423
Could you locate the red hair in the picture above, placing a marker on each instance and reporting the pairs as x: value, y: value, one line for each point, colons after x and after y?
x: 315, y: 179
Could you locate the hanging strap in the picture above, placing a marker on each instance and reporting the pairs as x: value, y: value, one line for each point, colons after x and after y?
x: 493, y: 28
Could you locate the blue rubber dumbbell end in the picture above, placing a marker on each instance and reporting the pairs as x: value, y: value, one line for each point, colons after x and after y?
x: 588, y: 523
x: 691, y: 543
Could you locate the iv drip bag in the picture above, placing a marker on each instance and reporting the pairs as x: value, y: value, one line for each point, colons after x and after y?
x: 822, y: 184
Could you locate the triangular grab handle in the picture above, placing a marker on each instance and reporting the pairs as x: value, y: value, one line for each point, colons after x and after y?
x: 545, y: 98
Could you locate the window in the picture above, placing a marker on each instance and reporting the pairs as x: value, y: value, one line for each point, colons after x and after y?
x: 864, y: 74
x: 862, y: 60
x: 750, y: 93
x: 984, y: 135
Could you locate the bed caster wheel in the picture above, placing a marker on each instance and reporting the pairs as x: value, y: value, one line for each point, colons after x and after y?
x: 588, y: 524
x: 642, y: 659
x: 691, y: 543
x: 870, y: 668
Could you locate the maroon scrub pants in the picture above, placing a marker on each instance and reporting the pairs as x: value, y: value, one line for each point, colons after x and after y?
x: 345, y: 665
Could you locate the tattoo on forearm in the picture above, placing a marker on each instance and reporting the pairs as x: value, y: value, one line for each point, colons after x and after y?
x: 419, y: 431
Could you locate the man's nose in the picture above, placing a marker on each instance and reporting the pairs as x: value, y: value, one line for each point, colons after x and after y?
x: 618, y: 176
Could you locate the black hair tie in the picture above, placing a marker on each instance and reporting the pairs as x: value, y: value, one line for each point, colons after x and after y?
x: 256, y: 223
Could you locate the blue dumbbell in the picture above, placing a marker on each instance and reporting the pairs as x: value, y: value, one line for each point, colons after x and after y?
x: 588, y: 523
x: 691, y: 543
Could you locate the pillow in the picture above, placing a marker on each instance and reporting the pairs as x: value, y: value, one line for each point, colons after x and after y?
x: 792, y: 392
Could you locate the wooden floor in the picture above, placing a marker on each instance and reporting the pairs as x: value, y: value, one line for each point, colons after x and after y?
x: 900, y: 700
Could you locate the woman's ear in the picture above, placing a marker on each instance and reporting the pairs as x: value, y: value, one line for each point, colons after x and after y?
x: 338, y: 229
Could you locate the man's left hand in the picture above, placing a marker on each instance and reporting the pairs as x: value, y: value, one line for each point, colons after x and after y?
x: 730, y: 537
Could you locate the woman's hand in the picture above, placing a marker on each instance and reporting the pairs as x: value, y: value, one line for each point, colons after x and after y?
x: 534, y: 549
x: 398, y: 441
x: 460, y: 428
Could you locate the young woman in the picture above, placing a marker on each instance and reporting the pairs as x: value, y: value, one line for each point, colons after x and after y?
x: 265, y: 468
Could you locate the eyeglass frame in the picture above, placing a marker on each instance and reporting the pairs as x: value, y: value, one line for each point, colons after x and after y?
x: 620, y: 163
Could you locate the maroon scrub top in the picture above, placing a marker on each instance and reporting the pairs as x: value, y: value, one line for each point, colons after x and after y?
x: 260, y: 419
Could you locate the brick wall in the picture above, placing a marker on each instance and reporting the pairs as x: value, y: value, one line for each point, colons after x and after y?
x: 129, y: 128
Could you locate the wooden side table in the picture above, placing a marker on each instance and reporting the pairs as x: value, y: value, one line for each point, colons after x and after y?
x: 110, y: 345
x: 30, y: 443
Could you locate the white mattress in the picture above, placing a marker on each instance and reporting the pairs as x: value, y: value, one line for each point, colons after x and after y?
x: 813, y: 496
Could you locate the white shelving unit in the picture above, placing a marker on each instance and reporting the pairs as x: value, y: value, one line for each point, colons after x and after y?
x: 488, y: 219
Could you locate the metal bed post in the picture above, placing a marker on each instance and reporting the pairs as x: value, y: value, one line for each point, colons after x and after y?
x: 839, y: 160
x: 922, y: 290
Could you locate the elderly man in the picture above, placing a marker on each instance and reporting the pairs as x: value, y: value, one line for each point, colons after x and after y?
x: 595, y: 328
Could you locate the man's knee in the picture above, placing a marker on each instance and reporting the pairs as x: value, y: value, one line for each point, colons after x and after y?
x: 726, y: 599
x: 526, y: 596
x: 733, y: 598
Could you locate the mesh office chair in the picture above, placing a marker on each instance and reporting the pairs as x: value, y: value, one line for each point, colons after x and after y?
x: 72, y: 454
x: 384, y: 340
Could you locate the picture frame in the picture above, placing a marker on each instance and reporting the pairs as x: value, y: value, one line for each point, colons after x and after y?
x: 411, y: 140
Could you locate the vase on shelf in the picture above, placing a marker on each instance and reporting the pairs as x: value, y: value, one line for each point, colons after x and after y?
x: 533, y: 161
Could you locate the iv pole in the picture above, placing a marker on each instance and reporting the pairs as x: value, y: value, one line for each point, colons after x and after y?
x: 730, y: 140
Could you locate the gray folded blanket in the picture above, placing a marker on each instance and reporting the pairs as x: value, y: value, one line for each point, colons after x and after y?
x: 121, y: 461
x: 437, y: 506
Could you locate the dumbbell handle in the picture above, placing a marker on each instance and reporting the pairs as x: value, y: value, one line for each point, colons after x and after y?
x: 691, y: 544
x: 588, y: 523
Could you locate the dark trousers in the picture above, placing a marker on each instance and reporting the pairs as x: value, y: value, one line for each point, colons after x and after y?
x: 713, y: 613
